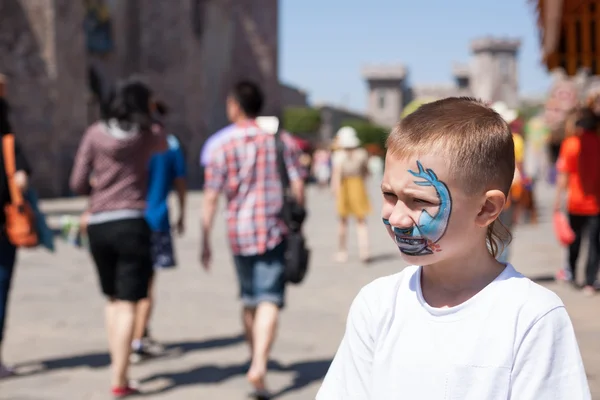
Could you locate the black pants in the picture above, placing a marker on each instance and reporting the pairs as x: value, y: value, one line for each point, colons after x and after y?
x: 581, y: 224
x: 121, y: 252
x: 554, y: 150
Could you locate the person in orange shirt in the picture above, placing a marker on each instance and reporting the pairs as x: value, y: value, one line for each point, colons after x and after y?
x: 578, y: 166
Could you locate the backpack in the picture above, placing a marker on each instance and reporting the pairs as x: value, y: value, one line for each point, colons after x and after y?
x: 20, y: 220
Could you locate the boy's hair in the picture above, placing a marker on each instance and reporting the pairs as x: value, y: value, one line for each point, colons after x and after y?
x: 249, y: 97
x: 474, y: 140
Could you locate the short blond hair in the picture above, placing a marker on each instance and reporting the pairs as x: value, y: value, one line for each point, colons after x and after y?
x: 474, y: 140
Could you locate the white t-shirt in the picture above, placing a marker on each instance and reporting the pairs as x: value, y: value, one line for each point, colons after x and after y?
x: 513, y: 340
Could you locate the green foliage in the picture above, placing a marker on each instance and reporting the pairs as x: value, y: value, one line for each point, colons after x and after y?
x: 529, y: 111
x: 301, y: 120
x: 368, y: 133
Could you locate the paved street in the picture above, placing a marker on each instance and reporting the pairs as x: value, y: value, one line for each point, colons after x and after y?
x: 56, y: 333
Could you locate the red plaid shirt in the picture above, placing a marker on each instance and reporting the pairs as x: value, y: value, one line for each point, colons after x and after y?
x: 244, y: 167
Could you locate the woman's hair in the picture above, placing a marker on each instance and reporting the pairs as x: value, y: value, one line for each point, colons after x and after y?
x: 130, y: 104
x: 5, y: 126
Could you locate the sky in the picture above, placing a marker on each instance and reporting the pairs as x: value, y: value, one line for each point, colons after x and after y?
x: 324, y: 43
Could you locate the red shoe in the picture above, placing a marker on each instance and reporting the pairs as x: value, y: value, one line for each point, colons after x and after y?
x: 121, y: 393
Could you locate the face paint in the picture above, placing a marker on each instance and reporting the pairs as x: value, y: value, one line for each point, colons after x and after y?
x: 421, y: 239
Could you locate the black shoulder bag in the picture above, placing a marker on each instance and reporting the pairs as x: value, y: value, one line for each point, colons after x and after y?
x: 293, y: 214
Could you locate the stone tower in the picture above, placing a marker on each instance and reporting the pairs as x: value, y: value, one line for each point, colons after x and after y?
x: 494, y: 70
x: 388, y: 93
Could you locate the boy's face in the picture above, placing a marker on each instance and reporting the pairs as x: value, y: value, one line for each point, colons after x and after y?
x: 426, y: 214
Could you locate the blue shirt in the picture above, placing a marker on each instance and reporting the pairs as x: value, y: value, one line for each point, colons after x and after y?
x: 164, y: 168
x: 213, y: 142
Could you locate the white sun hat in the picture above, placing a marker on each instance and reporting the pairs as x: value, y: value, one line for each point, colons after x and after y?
x: 347, y: 138
x: 506, y: 113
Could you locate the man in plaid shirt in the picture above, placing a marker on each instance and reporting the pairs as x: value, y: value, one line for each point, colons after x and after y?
x: 243, y: 165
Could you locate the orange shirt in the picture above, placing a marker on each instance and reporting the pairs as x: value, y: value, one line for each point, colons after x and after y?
x: 580, y: 159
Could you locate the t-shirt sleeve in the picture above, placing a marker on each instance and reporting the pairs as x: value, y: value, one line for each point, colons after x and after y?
x: 567, y: 159
x: 548, y: 363
x: 206, y: 152
x: 349, y: 376
x: 215, y: 172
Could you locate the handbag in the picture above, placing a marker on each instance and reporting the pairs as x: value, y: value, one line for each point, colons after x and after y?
x: 562, y: 229
x: 20, y: 224
x: 293, y: 214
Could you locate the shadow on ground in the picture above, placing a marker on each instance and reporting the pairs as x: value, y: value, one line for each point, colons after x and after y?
x: 101, y: 360
x: 304, y: 374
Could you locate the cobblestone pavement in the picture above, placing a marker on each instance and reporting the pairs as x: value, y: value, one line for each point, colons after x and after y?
x: 56, y: 335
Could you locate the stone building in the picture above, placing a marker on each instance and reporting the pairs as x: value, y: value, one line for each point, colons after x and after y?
x: 189, y: 51
x: 388, y: 92
x: 293, y: 97
x: 333, y: 118
x: 491, y: 76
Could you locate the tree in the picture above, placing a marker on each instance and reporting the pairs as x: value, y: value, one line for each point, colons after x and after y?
x: 301, y: 120
x: 368, y: 133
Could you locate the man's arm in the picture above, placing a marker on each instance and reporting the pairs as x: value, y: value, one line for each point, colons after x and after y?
x: 181, y: 189
x: 180, y: 185
x: 215, y: 177
x: 210, y: 202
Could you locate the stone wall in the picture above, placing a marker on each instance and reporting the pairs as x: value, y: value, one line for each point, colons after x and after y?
x: 41, y: 44
x: 190, y: 52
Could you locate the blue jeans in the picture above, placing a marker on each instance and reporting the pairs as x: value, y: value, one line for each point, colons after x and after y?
x: 261, y: 277
x: 8, y: 254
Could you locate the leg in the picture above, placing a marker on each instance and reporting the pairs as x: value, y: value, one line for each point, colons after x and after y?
x: 591, y: 271
x: 577, y: 223
x: 264, y: 330
x: 269, y: 288
x: 363, y: 239
x: 123, y: 318
x: 143, y: 312
x: 244, y: 266
x: 248, y: 314
x: 133, y: 273
x: 342, y: 254
x: 142, y: 317
x: 7, y: 262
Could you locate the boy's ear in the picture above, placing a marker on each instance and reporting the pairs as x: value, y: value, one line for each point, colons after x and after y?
x: 493, y: 205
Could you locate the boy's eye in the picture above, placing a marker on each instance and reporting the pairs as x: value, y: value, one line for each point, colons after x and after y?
x: 389, y: 195
x: 421, y: 201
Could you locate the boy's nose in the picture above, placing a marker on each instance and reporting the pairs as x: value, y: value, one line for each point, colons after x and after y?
x: 401, y: 218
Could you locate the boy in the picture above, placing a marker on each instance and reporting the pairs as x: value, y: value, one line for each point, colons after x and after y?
x: 458, y: 324
x: 167, y: 171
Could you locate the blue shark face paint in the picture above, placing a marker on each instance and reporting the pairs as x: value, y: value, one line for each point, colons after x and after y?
x: 421, y: 239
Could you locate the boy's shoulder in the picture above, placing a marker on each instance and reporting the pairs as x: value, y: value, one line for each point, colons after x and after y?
x: 528, y: 296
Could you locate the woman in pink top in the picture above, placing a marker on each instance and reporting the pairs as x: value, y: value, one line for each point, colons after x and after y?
x: 116, y: 151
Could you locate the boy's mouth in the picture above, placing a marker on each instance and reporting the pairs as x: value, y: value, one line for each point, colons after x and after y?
x: 410, y: 241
